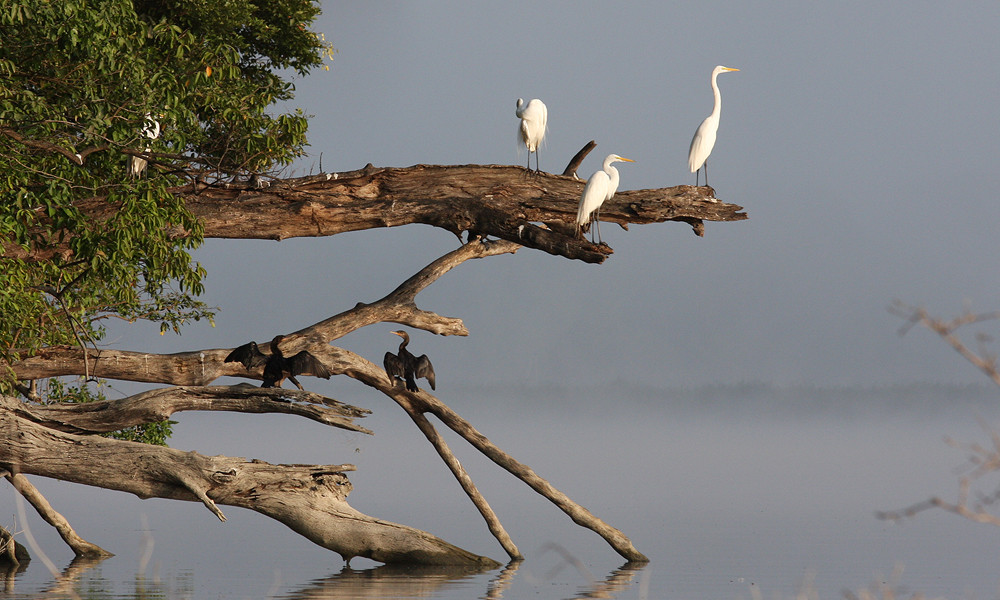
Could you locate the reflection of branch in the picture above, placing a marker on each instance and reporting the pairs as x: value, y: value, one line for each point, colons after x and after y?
x: 387, y: 581
x: 982, y: 461
x: 612, y: 586
x: 984, y: 360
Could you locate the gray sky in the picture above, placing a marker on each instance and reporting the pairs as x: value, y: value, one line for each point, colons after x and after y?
x: 860, y: 137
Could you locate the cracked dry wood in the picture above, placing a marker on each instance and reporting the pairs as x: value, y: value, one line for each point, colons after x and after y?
x: 310, y: 499
x: 160, y: 404
x: 522, y: 209
x: 534, y: 210
x: 398, y: 306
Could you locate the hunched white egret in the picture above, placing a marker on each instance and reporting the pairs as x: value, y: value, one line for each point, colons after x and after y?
x: 600, y: 188
x: 534, y: 119
x: 704, y: 139
x: 151, y: 131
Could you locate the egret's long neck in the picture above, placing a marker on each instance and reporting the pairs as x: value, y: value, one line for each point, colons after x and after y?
x: 613, y: 175
x: 718, y: 96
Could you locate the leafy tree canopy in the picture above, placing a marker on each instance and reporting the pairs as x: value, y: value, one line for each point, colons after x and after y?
x: 80, y: 81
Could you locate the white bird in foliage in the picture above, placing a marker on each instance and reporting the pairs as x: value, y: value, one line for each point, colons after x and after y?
x: 151, y: 131
x: 534, y: 119
x: 704, y: 139
x: 600, y: 188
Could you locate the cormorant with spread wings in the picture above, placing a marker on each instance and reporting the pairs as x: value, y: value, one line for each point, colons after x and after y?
x: 278, y: 367
x: 407, y: 367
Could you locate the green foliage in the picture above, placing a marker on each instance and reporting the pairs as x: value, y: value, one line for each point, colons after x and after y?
x: 82, y: 239
x: 58, y: 390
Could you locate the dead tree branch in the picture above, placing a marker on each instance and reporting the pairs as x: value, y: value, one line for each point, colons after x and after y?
x: 984, y: 360
x: 80, y: 546
x: 310, y: 499
x: 399, y: 306
x: 520, y: 209
x: 158, y: 405
x: 982, y: 460
x: 574, y: 162
x: 536, y: 211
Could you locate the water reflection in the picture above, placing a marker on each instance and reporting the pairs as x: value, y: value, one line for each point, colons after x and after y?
x: 81, y: 579
x: 613, y: 585
x: 65, y: 583
x: 386, y: 581
x: 416, y: 581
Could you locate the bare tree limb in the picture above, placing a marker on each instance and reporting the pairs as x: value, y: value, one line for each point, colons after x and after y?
x: 398, y: 306
x: 537, y: 211
x: 201, y: 367
x: 984, y: 361
x: 80, y: 546
x: 160, y: 404
x: 574, y: 162
x: 311, y: 499
x: 492, y: 522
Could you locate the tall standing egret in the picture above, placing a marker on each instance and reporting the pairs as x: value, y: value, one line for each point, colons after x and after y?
x: 534, y: 119
x: 151, y: 131
x: 704, y: 139
x: 600, y: 188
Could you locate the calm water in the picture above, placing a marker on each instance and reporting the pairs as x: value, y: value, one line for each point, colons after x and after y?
x: 738, y: 492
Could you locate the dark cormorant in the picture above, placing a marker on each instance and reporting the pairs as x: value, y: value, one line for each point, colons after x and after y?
x: 407, y: 367
x: 278, y: 367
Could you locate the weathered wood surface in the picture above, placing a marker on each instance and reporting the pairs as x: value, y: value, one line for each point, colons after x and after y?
x: 399, y: 306
x: 493, y: 200
x: 160, y: 404
x: 534, y: 210
x: 201, y: 367
x: 520, y: 208
x: 311, y: 499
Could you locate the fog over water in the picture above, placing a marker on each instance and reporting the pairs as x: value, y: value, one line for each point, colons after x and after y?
x: 726, y: 488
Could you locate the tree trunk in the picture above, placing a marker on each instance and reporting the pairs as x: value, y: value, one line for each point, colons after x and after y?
x: 310, y: 499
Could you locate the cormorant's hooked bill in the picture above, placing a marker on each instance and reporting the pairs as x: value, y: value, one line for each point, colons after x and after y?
x: 404, y: 366
x: 278, y: 367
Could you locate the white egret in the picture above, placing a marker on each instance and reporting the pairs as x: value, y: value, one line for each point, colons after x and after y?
x: 534, y: 119
x: 704, y: 139
x: 151, y: 131
x: 600, y: 188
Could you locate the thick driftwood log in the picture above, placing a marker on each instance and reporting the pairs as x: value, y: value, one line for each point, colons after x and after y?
x: 310, y: 499
x: 533, y: 210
